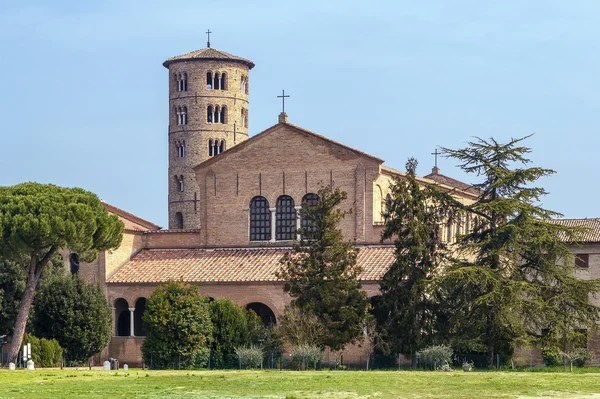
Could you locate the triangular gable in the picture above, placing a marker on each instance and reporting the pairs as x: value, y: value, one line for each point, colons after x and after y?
x: 292, y: 128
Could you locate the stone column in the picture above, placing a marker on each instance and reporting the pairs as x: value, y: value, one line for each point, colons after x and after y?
x: 298, y: 222
x: 131, y: 322
x: 273, y: 223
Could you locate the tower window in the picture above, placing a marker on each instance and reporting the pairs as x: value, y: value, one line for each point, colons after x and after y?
x: 217, y: 81
x: 215, y: 147
x: 244, y: 117
x: 209, y: 114
x: 181, y: 149
x: 223, y: 114
x: 209, y: 81
x: 224, y: 81
x: 285, y: 218
x: 260, y: 219
x: 244, y: 85
x: 181, y: 81
x: 179, y: 180
x: 216, y: 114
x: 179, y: 220
x: 181, y: 115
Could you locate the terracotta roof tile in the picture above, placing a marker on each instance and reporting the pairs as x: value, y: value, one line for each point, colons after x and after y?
x: 448, y: 181
x: 592, y: 234
x: 230, y: 265
x: 208, y: 54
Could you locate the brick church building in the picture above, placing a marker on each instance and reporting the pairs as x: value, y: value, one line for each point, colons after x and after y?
x: 234, y: 201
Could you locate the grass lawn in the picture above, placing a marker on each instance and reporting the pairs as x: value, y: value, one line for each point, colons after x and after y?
x: 137, y: 383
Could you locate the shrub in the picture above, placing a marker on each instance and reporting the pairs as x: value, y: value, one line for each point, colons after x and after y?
x: 179, y: 327
x: 581, y: 356
x: 230, y: 331
x: 45, y: 352
x: 306, y: 355
x: 250, y: 356
x: 552, y: 357
x: 435, y: 357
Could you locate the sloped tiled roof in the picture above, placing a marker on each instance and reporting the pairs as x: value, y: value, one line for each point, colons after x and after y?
x: 131, y: 221
x: 208, y: 53
x: 592, y: 226
x: 230, y: 265
x: 449, y: 181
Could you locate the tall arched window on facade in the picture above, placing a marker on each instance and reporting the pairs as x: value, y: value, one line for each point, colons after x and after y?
x: 179, y: 220
x: 308, y: 201
x: 217, y: 81
x: 209, y: 81
x: 260, y: 219
x: 210, y: 148
x: 216, y: 114
x: 285, y: 216
x: 222, y: 146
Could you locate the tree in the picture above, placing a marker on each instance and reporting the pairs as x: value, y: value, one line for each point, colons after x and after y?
x: 408, y: 302
x: 75, y: 313
x: 37, y: 220
x: 514, y: 273
x: 177, y: 319
x: 301, y: 328
x: 230, y: 330
x: 322, y: 274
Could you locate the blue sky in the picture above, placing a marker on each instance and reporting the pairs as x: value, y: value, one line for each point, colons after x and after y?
x: 83, y: 98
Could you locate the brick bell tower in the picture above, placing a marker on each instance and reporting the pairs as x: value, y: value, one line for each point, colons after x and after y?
x: 208, y: 113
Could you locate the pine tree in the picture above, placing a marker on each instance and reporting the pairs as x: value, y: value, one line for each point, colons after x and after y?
x: 407, y: 307
x: 322, y: 274
x: 513, y: 276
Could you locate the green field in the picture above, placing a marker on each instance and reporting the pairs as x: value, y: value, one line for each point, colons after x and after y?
x: 294, y: 385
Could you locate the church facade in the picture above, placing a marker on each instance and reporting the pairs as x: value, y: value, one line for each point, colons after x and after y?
x: 234, y: 203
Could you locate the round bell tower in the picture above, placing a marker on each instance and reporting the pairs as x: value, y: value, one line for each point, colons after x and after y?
x: 208, y: 113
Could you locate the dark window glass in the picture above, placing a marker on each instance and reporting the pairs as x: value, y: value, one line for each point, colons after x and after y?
x: 582, y: 260
x: 308, y: 201
x: 286, y: 218
x: 178, y: 220
x: 260, y: 219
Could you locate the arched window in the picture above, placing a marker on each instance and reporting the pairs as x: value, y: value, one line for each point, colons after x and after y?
x: 223, y: 113
x: 179, y: 180
x: 123, y: 318
x: 217, y: 113
x: 178, y: 220
x: 209, y: 114
x: 285, y: 217
x: 209, y: 81
x: 222, y: 146
x: 184, y: 85
x: 184, y: 114
x: 74, y: 262
x: 308, y: 201
x: 210, y: 148
x: 217, y: 81
x: 244, y: 84
x: 180, y: 148
x: 138, y: 314
x: 244, y: 117
x: 260, y: 219
x: 467, y: 223
x: 264, y: 312
x: 224, y: 81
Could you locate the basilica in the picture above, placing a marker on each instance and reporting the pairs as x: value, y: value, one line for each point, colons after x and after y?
x: 233, y: 203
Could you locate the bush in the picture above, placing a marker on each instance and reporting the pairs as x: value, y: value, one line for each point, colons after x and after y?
x: 179, y: 328
x: 230, y: 331
x: 552, y: 357
x: 435, y: 357
x: 306, y: 355
x: 581, y: 356
x: 250, y: 356
x: 45, y: 352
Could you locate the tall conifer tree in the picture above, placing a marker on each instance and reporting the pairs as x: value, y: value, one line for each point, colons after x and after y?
x: 321, y: 273
x: 514, y: 276
x: 407, y: 308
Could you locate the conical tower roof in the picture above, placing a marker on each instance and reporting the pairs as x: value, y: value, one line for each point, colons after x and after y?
x: 208, y: 53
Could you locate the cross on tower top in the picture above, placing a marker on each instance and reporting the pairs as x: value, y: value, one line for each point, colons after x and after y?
x: 208, y: 32
x: 283, y: 97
